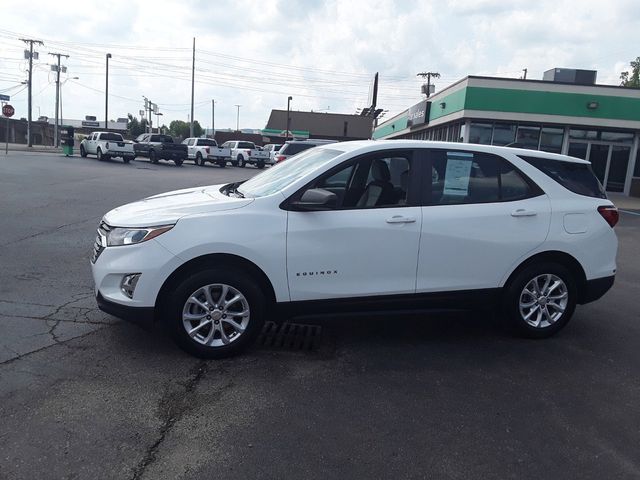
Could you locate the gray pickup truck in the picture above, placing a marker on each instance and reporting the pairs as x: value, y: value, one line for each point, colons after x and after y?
x: 157, y: 147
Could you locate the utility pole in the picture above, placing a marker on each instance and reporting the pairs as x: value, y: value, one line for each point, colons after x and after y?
x: 30, y: 42
x: 193, y: 72
x: 428, y: 76
x: 106, y: 96
x: 55, y: 127
x: 524, y: 77
x: 213, y: 118
x: 286, y: 137
x: 238, y: 118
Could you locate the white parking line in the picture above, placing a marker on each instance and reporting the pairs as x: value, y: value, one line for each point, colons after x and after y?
x: 630, y: 213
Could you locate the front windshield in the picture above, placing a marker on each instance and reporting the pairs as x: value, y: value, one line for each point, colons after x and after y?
x: 284, y: 174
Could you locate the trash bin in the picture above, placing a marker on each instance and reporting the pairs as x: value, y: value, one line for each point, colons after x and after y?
x: 66, y: 139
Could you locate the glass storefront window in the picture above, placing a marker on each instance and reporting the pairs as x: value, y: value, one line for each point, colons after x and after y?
x: 636, y: 168
x: 504, y: 134
x: 578, y: 150
x: 551, y: 139
x: 528, y: 137
x: 583, y: 134
x: 480, y: 133
x: 618, y: 137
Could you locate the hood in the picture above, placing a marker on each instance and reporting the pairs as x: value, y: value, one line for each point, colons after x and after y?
x: 168, y: 207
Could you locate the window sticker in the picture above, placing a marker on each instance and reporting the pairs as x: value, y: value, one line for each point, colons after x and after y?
x: 456, y: 177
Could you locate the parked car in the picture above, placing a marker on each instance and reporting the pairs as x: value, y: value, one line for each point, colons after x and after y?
x: 293, y: 147
x: 272, y: 148
x: 106, y: 145
x: 359, y: 226
x: 243, y: 153
x: 203, y: 150
x: 156, y: 147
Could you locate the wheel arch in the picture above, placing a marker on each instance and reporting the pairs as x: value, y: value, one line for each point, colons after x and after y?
x: 555, y: 256
x: 215, y: 260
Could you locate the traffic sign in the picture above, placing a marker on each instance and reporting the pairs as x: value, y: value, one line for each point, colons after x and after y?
x: 8, y: 110
x: 4, y: 98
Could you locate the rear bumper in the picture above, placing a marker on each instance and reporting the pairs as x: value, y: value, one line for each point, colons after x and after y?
x: 596, y: 288
x: 139, y: 315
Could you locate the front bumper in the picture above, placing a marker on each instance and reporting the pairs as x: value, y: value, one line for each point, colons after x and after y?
x: 138, y: 315
x: 596, y: 288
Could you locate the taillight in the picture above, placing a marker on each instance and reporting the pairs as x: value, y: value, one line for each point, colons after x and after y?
x: 610, y: 214
x: 206, y: 149
x: 248, y: 152
x: 106, y: 145
x: 280, y: 158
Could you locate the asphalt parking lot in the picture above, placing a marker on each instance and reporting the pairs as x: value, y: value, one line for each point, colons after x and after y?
x: 442, y: 396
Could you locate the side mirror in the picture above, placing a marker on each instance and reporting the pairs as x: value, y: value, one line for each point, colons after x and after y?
x: 316, y: 199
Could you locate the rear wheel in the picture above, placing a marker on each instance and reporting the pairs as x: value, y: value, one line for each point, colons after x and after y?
x: 241, y: 162
x: 178, y: 162
x: 127, y: 159
x: 216, y: 313
x: 153, y: 158
x: 540, y: 300
x: 199, y: 159
x: 260, y: 165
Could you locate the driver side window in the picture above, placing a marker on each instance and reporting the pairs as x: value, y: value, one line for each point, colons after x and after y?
x: 375, y: 181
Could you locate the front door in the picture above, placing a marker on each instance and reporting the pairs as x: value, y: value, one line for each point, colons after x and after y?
x: 368, y: 244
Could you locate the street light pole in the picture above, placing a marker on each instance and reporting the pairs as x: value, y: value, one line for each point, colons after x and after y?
x: 238, y: 118
x: 158, y: 121
x: 106, y: 96
x: 286, y: 138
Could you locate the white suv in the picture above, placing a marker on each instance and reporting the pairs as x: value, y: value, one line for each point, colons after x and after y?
x: 362, y: 226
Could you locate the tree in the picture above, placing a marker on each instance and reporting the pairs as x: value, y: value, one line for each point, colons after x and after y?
x: 181, y: 129
x: 633, y: 79
x: 135, y: 127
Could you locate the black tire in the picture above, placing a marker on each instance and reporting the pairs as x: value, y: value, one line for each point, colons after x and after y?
x: 83, y: 152
x: 234, y: 164
x: 153, y: 158
x: 199, y: 159
x: 260, y: 165
x: 178, y: 162
x: 189, y: 285
x: 222, y: 163
x: 99, y: 155
x: 241, y: 162
x: 126, y: 159
x: 515, y: 290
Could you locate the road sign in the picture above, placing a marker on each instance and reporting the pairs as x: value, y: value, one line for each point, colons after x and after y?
x: 8, y: 110
x: 5, y: 98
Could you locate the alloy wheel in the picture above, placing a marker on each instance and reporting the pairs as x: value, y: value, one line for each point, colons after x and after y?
x: 216, y: 315
x: 543, y: 300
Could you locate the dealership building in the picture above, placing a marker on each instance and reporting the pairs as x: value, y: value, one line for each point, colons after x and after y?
x: 566, y: 112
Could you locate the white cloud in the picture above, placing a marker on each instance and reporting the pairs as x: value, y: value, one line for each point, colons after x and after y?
x: 324, y: 54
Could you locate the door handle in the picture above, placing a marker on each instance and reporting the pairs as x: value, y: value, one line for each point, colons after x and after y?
x: 521, y: 212
x: 400, y: 219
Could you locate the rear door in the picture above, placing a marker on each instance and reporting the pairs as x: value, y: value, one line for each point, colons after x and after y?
x: 368, y: 244
x: 481, y: 215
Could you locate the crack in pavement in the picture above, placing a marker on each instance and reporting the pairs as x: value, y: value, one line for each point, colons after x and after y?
x: 172, y: 407
x: 47, y: 232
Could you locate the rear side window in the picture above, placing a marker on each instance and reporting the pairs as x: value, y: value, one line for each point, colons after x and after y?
x: 473, y: 177
x: 247, y: 145
x: 205, y: 142
x: 114, y: 137
x: 293, y: 148
x: 576, y: 177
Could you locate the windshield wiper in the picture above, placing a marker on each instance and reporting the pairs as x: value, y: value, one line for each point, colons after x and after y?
x: 231, y: 190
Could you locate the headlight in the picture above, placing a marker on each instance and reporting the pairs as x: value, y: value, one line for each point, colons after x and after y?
x: 128, y: 236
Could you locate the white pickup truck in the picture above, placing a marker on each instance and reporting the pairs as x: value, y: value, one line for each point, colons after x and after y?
x: 106, y: 145
x: 203, y: 150
x: 247, y: 152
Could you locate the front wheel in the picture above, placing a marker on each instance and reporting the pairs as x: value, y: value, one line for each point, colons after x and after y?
x: 83, y: 152
x: 216, y: 313
x: 222, y: 163
x: 126, y: 159
x: 99, y: 155
x: 199, y: 159
x: 540, y: 300
x: 260, y: 165
x: 153, y: 158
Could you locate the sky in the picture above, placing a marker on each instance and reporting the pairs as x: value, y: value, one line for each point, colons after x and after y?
x: 322, y: 53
